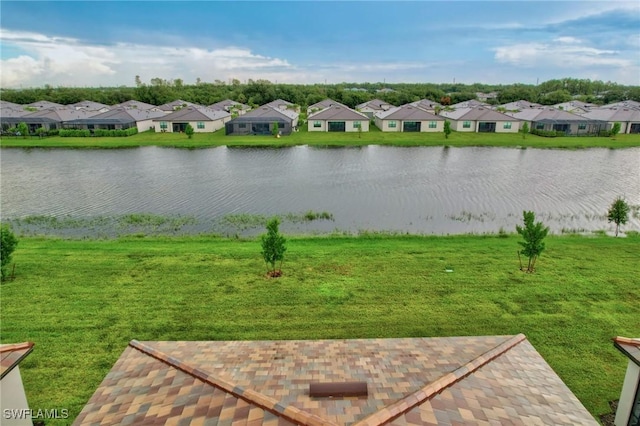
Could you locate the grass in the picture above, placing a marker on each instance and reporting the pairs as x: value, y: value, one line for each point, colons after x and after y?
x: 322, y: 139
x: 81, y: 302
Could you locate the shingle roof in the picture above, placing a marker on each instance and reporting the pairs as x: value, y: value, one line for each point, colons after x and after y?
x: 271, y: 111
x: 408, y: 112
x: 120, y: 115
x: 444, y: 380
x: 88, y: 105
x: 613, y: 114
x: 623, y: 104
x: 547, y: 113
x: 7, y: 104
x: 11, y: 355
x: 135, y: 105
x: 373, y: 104
x: 171, y: 106
x: 338, y: 112
x: 629, y: 347
x: 519, y: 105
x: 278, y: 103
x: 191, y: 113
x: 224, y: 105
x: 472, y: 103
x: 427, y: 104
x: 57, y: 115
x: 480, y: 113
x: 44, y: 105
x: 325, y: 104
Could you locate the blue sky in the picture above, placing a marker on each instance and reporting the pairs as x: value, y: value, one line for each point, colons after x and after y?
x: 107, y: 43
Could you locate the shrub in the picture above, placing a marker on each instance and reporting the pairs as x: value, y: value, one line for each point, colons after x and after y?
x: 8, y: 243
x: 74, y: 133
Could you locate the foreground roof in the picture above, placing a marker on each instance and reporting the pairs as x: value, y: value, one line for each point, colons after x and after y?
x: 267, y: 111
x: 11, y: 355
x: 192, y: 113
x: 408, y: 112
x: 629, y: 347
x: 416, y: 381
x: 549, y: 114
x: 338, y: 112
x: 478, y: 113
x: 374, y: 104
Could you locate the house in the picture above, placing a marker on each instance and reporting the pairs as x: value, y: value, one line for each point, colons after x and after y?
x: 283, y: 105
x: 628, y: 118
x: 401, y: 381
x: 49, y: 119
x: 322, y: 105
x: 472, y: 103
x: 10, y: 105
x: 38, y: 105
x: 517, y: 106
x: 230, y: 106
x: 427, y: 105
x: 10, y: 117
x: 628, y: 411
x: 118, y: 119
x: 409, y: 118
x: 260, y: 121
x: 370, y: 108
x: 551, y: 119
x: 576, y: 107
x: 623, y: 104
x: 136, y: 105
x: 484, y: 97
x: 201, y: 120
x: 176, y: 105
x: 481, y: 119
x: 90, y: 106
x: 14, y: 407
x: 338, y: 118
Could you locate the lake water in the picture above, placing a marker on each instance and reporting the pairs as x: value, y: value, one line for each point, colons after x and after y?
x: 430, y: 190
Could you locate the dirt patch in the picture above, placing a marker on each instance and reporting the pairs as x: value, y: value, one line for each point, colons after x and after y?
x: 608, y: 419
x: 274, y: 274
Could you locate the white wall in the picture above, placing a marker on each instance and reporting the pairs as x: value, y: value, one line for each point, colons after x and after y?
x: 12, y: 397
x: 631, y: 383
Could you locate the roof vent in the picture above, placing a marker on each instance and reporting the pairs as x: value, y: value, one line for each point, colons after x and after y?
x: 339, y: 389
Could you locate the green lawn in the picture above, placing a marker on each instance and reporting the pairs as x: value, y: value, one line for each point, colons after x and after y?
x: 82, y: 301
x: 374, y: 137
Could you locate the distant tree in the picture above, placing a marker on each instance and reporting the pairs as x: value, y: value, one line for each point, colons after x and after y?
x: 189, y: 131
x: 8, y: 243
x: 524, y: 130
x: 447, y: 129
x: 274, y: 245
x: 23, y: 129
x: 445, y: 100
x: 616, y: 128
x: 533, y: 234
x: 618, y: 213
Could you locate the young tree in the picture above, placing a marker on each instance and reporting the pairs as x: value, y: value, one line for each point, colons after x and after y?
x: 273, y: 247
x: 618, y: 213
x: 447, y: 129
x: 8, y: 243
x: 275, y: 131
x: 23, y: 129
x: 616, y: 128
x: 189, y: 131
x: 524, y: 130
x: 533, y: 234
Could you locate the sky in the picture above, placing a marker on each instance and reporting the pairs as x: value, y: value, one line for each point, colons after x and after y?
x: 109, y: 43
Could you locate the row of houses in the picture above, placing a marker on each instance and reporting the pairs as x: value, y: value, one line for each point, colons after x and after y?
x: 326, y: 116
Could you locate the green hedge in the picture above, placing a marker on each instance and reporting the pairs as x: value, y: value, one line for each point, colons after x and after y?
x: 81, y: 133
x: 547, y: 133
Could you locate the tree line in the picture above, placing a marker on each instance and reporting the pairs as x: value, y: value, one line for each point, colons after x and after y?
x: 160, y: 91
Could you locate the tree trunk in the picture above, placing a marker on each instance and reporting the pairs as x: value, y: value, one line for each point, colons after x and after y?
x: 617, y: 228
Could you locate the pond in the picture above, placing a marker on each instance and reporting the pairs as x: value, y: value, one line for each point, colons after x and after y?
x: 425, y: 190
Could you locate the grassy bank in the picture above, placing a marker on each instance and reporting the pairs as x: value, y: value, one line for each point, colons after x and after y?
x: 82, y: 301
x: 374, y: 137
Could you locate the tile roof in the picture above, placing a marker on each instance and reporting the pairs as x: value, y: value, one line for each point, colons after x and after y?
x: 338, y: 112
x: 12, y: 354
x: 447, y: 380
x: 629, y: 347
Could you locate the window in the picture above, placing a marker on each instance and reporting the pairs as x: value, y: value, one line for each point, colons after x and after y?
x: 317, y: 124
x: 280, y: 125
x: 433, y: 124
x: 356, y: 125
x: 392, y: 124
x: 200, y: 125
x: 506, y: 125
x: 466, y: 124
x: 539, y: 126
x: 582, y: 126
x: 163, y: 125
x: 242, y: 125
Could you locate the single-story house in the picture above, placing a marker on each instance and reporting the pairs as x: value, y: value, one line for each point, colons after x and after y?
x: 427, y: 105
x: 481, y: 119
x: 118, y: 119
x: 472, y: 103
x: 517, y: 106
x: 230, y: 106
x: 201, y: 119
x: 10, y: 117
x: 260, y: 121
x: 557, y: 120
x: 576, y: 107
x: 283, y: 105
x: 628, y: 411
x: 338, y: 118
x: 90, y: 106
x: 370, y: 108
x: 409, y: 118
x: 176, y: 105
x: 484, y: 97
x: 50, y: 119
x: 322, y: 105
x: 628, y: 118
x: 132, y: 104
x: 14, y: 407
x: 357, y: 382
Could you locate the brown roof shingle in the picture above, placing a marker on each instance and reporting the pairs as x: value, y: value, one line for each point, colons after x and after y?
x: 12, y: 354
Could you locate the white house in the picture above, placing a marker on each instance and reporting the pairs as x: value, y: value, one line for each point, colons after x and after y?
x: 201, y: 119
x: 409, y: 118
x: 338, y: 118
x: 481, y: 119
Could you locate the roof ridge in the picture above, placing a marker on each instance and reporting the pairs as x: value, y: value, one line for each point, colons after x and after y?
x: 391, y: 412
x: 15, y: 346
x: 265, y: 402
x: 627, y: 341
